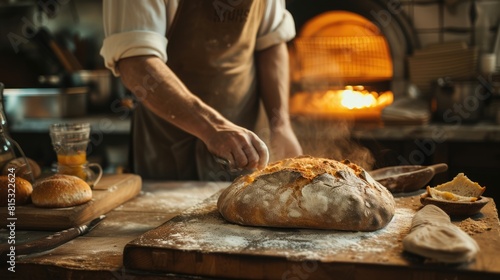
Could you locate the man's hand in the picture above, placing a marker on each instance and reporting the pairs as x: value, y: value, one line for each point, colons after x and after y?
x: 168, y: 97
x: 239, y: 146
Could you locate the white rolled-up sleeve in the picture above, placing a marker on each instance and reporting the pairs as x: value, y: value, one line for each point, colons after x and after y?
x: 133, y: 28
x: 276, y: 27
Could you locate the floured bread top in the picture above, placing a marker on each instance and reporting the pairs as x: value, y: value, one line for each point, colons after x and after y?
x: 308, y: 167
x: 308, y: 192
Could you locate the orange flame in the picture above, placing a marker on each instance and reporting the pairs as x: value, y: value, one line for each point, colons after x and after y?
x: 353, y: 100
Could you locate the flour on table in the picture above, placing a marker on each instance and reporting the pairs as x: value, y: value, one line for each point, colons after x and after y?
x: 173, y: 198
x: 202, y: 228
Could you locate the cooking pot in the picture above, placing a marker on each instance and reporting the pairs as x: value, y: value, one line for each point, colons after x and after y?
x: 102, y: 86
x: 459, y: 101
x: 99, y: 83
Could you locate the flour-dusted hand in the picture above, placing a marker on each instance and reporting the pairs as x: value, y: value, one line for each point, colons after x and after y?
x: 242, y: 148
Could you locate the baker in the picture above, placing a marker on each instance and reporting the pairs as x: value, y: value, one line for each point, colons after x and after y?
x: 202, y: 104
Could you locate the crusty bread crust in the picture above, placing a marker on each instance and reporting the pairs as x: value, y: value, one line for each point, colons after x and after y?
x: 23, y: 189
x: 308, y: 192
x: 460, y: 188
x: 60, y: 191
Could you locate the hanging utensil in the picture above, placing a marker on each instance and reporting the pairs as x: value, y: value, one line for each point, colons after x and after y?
x: 67, y: 60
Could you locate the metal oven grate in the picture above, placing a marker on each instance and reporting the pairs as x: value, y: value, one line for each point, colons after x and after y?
x: 363, y: 58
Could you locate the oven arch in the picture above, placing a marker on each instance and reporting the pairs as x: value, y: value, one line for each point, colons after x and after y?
x: 387, y: 15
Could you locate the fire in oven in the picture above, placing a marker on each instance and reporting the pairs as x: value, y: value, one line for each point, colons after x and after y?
x: 344, y: 61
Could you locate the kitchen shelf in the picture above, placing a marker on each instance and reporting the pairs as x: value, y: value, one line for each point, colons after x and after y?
x: 108, y: 124
x: 478, y: 132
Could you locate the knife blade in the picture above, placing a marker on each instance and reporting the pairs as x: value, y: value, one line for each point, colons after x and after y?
x: 226, y: 165
x: 50, y: 242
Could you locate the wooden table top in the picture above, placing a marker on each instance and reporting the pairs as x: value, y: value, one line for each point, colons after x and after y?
x: 99, y: 254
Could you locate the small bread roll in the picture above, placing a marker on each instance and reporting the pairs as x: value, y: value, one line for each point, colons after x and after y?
x: 60, y: 191
x: 22, y: 193
x: 18, y: 165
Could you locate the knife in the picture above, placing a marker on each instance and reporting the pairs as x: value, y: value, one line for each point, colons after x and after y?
x: 226, y: 165
x: 49, y: 242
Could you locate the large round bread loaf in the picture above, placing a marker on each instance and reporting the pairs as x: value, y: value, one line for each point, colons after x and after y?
x: 60, y: 191
x: 308, y: 192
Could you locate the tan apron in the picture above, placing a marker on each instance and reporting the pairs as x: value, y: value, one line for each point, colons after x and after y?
x: 211, y: 49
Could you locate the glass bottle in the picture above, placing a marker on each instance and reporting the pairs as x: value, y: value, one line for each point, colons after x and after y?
x: 7, y: 144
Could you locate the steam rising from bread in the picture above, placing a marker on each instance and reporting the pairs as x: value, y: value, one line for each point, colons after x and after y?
x: 331, y: 139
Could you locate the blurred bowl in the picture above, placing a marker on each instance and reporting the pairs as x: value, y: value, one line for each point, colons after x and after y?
x: 456, y: 208
x: 406, y: 178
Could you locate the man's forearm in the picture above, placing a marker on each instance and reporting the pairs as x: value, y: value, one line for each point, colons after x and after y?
x: 161, y: 91
x: 273, y: 73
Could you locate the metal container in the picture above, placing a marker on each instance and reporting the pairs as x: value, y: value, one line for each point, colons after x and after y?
x: 99, y: 82
x: 459, y: 101
x: 103, y: 87
x: 21, y: 103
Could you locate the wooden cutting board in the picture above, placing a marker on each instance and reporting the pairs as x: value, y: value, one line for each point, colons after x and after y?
x: 200, y: 242
x: 110, y: 192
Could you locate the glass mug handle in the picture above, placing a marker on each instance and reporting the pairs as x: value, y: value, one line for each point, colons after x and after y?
x: 98, y: 173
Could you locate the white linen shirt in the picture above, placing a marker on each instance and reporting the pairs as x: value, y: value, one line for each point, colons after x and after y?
x: 138, y: 27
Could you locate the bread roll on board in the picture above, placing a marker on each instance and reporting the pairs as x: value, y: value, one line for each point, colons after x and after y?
x: 60, y: 191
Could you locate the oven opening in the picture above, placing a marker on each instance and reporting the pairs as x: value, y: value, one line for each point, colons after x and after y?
x: 341, y: 67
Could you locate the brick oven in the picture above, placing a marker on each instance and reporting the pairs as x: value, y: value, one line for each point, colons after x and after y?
x: 349, y: 57
x: 368, y: 49
x: 380, y: 47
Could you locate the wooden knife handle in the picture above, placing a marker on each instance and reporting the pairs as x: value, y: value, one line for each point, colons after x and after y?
x: 42, y: 244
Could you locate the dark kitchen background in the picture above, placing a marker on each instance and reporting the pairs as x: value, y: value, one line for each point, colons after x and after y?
x: 425, y: 64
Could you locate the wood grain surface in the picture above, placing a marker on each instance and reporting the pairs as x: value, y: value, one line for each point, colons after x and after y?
x: 200, y: 242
